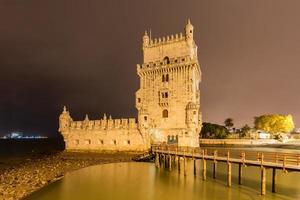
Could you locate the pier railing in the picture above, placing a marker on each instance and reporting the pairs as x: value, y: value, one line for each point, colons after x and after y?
x: 262, y: 159
x: 278, y: 159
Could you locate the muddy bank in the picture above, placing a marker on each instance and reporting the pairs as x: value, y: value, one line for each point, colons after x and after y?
x: 19, y: 177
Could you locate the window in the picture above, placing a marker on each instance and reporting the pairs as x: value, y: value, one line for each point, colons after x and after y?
x: 128, y: 142
x: 195, y: 112
x: 115, y: 142
x: 165, y: 114
x: 101, y: 142
x: 164, y: 95
x: 167, y: 60
x: 139, y: 100
x: 76, y: 142
x: 165, y: 78
x: 87, y: 141
x: 145, y: 118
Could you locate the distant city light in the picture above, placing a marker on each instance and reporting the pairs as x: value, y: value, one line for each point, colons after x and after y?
x: 21, y: 135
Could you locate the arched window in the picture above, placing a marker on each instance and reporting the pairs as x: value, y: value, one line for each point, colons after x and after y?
x: 163, y: 78
x: 167, y: 60
x: 165, y: 114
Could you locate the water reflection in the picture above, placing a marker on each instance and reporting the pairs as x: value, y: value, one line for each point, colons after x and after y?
x: 143, y: 181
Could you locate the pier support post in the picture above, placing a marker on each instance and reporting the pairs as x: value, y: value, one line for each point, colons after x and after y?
x: 157, y: 164
x: 263, y: 180
x: 184, y: 166
x: 229, y: 174
x: 195, y: 167
x: 178, y: 164
x: 170, y: 162
x: 240, y: 173
x: 214, y: 169
x: 166, y: 161
x: 204, y: 169
x: 274, y: 180
x: 174, y: 160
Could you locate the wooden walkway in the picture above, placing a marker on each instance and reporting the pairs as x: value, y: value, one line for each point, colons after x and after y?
x: 274, y: 160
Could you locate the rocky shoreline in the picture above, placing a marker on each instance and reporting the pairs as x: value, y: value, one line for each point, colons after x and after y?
x: 23, y: 176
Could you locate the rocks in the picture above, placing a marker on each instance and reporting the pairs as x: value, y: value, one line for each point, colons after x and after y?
x: 31, y: 174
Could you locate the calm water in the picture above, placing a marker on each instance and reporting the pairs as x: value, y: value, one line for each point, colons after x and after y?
x: 22, y: 147
x: 136, y: 181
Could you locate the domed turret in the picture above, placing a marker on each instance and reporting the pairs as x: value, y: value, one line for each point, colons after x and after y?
x: 64, y: 120
x: 189, y: 32
x: 192, y: 110
x: 146, y: 39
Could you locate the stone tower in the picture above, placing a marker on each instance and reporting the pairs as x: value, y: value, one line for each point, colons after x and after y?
x: 168, y: 100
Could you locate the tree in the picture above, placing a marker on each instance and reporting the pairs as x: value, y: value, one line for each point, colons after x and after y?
x: 274, y: 123
x: 228, y: 122
x: 213, y: 131
x: 244, y: 131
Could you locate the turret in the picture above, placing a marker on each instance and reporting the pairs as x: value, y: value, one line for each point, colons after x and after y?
x: 146, y: 40
x: 143, y: 119
x: 189, y: 32
x: 64, y: 120
x: 192, y: 115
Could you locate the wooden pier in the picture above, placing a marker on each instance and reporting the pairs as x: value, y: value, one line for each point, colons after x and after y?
x: 264, y: 160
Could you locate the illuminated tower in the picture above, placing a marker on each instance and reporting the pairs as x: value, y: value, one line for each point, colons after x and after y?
x: 168, y: 100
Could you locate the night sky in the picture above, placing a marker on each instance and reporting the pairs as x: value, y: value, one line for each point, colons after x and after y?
x: 83, y: 54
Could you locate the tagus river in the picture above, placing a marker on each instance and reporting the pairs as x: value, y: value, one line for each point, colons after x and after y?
x: 136, y: 181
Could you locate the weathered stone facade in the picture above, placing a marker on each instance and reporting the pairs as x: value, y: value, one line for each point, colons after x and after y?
x: 168, y: 102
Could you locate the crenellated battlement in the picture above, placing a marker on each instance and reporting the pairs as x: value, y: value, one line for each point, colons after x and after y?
x: 104, y: 124
x: 178, y: 37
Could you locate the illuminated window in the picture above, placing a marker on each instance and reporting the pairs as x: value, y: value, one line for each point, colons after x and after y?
x: 87, y: 141
x: 165, y: 114
x: 167, y: 60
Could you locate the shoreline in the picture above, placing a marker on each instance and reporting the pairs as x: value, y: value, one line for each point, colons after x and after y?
x: 20, y: 177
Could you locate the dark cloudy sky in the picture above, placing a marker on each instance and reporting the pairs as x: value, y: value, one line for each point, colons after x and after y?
x: 83, y: 54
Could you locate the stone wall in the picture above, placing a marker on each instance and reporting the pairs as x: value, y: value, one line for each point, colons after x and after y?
x: 101, y: 135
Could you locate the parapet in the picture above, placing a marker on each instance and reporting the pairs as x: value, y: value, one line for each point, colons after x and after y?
x: 165, y: 40
x: 104, y: 124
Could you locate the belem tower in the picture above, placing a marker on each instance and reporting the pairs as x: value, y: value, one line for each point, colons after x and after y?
x: 168, y: 102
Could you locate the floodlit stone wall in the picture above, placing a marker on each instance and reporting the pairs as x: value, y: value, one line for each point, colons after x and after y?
x: 168, y: 100
x: 101, y: 135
